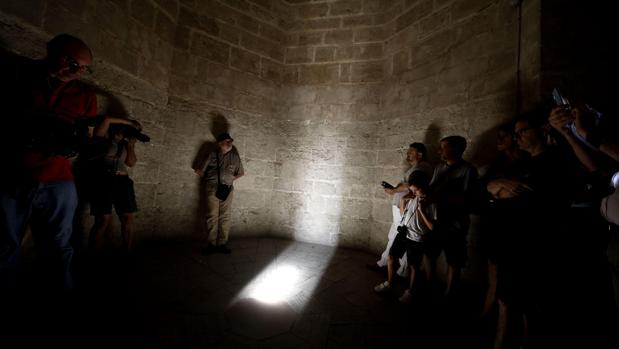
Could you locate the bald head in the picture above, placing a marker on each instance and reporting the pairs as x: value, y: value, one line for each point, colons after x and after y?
x: 68, y: 57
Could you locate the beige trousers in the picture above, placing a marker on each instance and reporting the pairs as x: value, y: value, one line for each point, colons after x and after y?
x: 218, y: 217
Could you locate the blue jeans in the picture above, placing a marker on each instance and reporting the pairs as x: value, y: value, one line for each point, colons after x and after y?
x: 49, y: 208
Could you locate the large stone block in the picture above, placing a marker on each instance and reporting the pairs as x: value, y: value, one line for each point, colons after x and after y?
x: 271, y: 70
x: 182, y: 38
x: 170, y: 6
x: 367, y: 51
x: 321, y: 23
x: 339, y: 37
x: 373, y: 34
x: 260, y: 45
x: 217, y: 10
x: 366, y: 71
x: 299, y: 55
x: 319, y: 74
x: 400, y: 62
x: 324, y: 54
x: 248, y: 198
x: 345, y: 7
x: 414, y: 14
x: 310, y: 38
x: 245, y: 61
x: 211, y: 49
x: 358, y: 21
x: 248, y: 23
x: 31, y: 11
x: 194, y: 20
x: 312, y: 10
x: 273, y: 33
x: 435, y: 21
x: 344, y: 53
x: 263, y: 14
x: 144, y: 12
x: 165, y: 27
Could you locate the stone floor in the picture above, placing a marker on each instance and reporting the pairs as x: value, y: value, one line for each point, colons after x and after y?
x: 166, y: 295
x: 174, y: 297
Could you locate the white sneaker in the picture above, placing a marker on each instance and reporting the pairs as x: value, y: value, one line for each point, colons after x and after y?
x: 406, y: 297
x: 382, y: 287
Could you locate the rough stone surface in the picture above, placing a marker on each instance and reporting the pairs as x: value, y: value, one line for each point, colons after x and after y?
x: 322, y: 98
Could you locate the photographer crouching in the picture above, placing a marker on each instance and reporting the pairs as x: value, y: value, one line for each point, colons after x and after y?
x: 110, y: 154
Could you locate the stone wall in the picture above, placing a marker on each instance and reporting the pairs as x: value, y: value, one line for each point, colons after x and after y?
x: 133, y: 46
x: 322, y: 97
x: 225, y: 75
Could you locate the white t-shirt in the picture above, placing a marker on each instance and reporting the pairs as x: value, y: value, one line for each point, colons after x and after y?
x: 610, y: 207
x: 417, y: 228
x: 422, y: 166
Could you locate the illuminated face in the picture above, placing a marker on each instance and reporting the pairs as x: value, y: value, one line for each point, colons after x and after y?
x: 73, y: 61
x: 526, y: 136
x: 225, y: 145
x: 504, y: 141
x: 447, y: 152
x: 413, y: 155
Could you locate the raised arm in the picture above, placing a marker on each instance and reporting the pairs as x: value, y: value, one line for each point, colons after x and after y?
x: 102, y: 129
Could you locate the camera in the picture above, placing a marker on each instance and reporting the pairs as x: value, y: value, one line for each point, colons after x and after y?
x: 131, y: 132
x: 402, y: 229
x: 387, y: 185
x: 560, y: 100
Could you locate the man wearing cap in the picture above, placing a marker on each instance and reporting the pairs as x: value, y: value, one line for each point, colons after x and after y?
x: 219, y: 171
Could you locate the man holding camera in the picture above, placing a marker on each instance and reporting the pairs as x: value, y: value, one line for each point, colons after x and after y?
x: 42, y: 102
x: 220, y: 169
x: 416, y: 158
x: 112, y: 152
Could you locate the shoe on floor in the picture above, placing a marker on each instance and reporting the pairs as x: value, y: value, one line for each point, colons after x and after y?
x: 209, y: 249
x: 406, y: 297
x: 375, y: 267
x: 382, y: 287
x: 224, y: 249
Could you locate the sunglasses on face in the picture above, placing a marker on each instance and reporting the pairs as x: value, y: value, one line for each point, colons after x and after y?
x: 75, y: 67
x: 519, y: 133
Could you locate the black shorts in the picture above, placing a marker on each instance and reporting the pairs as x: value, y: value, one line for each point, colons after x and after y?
x: 114, y: 191
x: 452, y: 239
x: 414, y: 250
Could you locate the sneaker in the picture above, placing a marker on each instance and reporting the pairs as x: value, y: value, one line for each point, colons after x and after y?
x: 223, y: 249
x: 383, y: 287
x: 209, y: 249
x: 375, y: 267
x: 406, y: 297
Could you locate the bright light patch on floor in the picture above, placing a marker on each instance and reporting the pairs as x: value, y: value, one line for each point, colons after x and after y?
x: 275, y: 285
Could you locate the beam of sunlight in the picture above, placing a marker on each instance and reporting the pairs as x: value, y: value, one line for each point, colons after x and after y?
x: 275, y: 284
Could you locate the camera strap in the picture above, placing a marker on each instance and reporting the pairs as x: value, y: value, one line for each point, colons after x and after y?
x: 408, y: 207
x: 218, y: 165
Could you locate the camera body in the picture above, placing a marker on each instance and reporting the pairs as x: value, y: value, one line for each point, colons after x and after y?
x: 131, y: 132
x: 560, y: 100
x: 387, y: 185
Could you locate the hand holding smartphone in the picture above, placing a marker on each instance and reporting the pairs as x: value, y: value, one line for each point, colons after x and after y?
x: 387, y: 185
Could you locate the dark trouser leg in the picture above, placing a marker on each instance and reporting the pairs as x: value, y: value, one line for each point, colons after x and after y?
x: 52, y: 223
x: 15, y: 208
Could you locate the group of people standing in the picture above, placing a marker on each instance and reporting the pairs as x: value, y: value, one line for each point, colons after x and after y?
x: 547, y: 211
x: 58, y: 154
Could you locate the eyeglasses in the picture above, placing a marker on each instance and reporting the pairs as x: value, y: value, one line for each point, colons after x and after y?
x: 76, y: 67
x: 518, y: 133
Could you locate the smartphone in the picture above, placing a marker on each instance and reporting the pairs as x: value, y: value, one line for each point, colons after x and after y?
x: 559, y: 99
x: 387, y: 185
